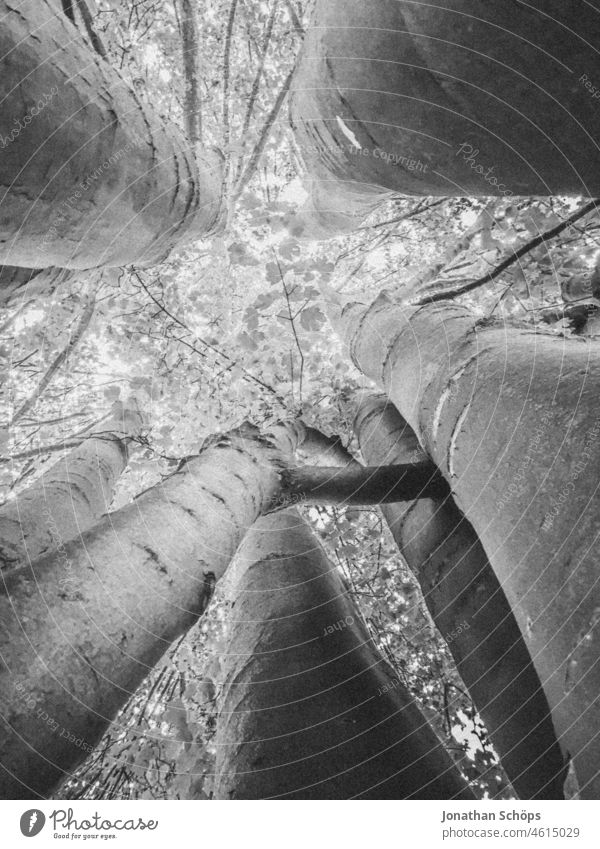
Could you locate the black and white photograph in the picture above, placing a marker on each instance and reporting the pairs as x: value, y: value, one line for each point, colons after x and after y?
x: 300, y: 422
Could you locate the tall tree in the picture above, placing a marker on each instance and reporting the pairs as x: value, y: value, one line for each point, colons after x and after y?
x: 446, y: 99
x: 99, y: 611
x: 71, y: 495
x: 89, y: 175
x: 18, y: 285
x: 507, y: 414
x: 471, y: 612
x: 82, y: 626
x: 308, y: 708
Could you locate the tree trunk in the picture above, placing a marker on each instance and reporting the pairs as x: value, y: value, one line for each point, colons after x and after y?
x: 70, y: 496
x: 90, y: 176
x: 192, y: 107
x: 81, y: 627
x: 470, y: 609
x: 508, y: 415
x: 451, y: 98
x: 309, y: 709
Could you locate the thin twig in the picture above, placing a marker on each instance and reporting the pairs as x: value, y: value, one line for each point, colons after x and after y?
x: 293, y: 324
x: 56, y: 364
x: 32, y: 423
x: 419, y: 210
x: 515, y: 256
x: 247, y: 374
x: 254, y: 160
x: 259, y: 71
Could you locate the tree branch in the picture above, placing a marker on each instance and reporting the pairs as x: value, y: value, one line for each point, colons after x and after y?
x: 515, y: 256
x: 294, y: 331
x: 294, y: 16
x: 358, y: 485
x: 323, y: 450
x: 65, y: 445
x: 88, y: 23
x: 418, y: 210
x: 54, y: 367
x: 227, y: 74
x: 260, y: 71
x: 90, y: 431
x: 254, y: 160
x: 461, y: 245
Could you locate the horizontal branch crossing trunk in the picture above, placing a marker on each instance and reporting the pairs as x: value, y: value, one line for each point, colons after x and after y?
x: 470, y: 609
x: 509, y: 417
x: 357, y: 485
x: 82, y: 627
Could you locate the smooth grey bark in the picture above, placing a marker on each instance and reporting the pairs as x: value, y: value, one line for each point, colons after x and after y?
x: 470, y: 609
x: 81, y: 627
x: 308, y: 708
x: 508, y: 416
x: 89, y: 175
x: 357, y: 485
x: 451, y: 98
x: 71, y: 495
x: 24, y: 284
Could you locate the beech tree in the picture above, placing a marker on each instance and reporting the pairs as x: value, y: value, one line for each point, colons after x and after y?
x: 25, y: 283
x: 308, y: 708
x: 532, y: 507
x: 126, y: 186
x: 469, y: 607
x: 89, y: 625
x: 71, y: 495
x: 445, y: 100
x: 74, y: 632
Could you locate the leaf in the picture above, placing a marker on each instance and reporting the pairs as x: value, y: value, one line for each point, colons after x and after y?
x: 488, y: 242
x: 312, y: 318
x: 246, y: 341
x: 239, y: 255
x: 112, y: 393
x: 266, y: 300
x: 289, y: 249
x: 272, y: 272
